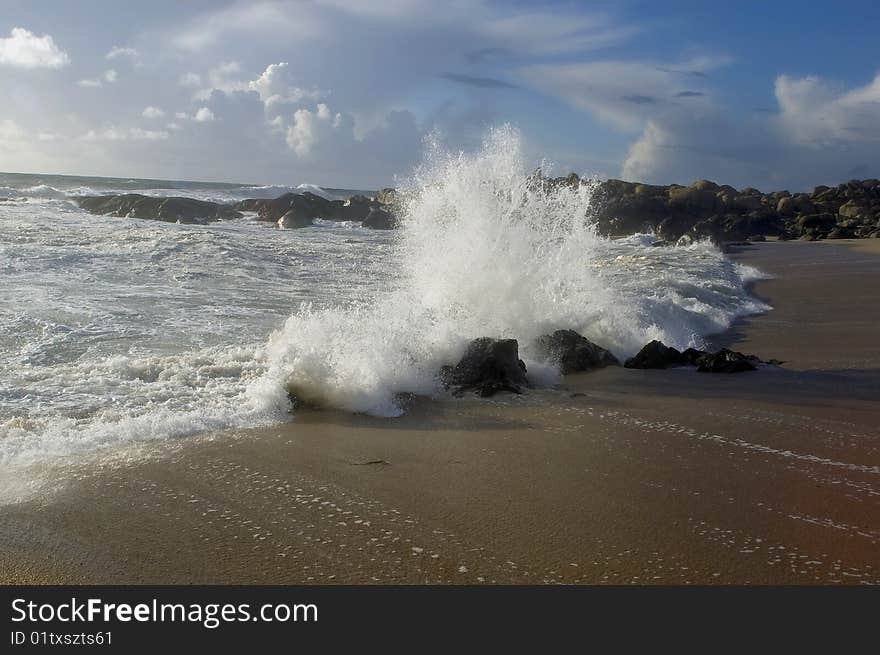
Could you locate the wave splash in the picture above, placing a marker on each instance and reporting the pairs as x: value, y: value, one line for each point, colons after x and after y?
x: 485, y: 250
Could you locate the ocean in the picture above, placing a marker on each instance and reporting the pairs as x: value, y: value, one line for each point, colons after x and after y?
x: 117, y: 331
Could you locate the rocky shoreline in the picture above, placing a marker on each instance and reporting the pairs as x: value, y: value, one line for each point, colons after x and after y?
x: 290, y: 210
x: 675, y: 213
x: 679, y: 214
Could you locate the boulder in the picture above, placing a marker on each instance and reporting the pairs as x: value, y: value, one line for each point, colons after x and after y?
x: 797, y: 204
x: 704, y: 185
x: 380, y: 219
x: 656, y: 355
x: 487, y: 367
x: 305, y: 204
x: 726, y: 361
x: 817, y: 221
x: 171, y: 210
x: 573, y: 352
x: 852, y: 209
x: 693, y: 200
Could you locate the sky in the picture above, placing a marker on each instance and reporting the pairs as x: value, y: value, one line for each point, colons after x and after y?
x: 776, y: 95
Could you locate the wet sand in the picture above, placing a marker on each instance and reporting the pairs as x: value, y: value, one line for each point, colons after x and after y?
x: 619, y: 476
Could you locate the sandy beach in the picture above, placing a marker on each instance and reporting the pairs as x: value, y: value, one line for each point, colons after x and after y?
x: 620, y: 476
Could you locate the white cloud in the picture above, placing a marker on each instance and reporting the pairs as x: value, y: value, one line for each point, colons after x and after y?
x: 822, y: 133
x: 275, y: 86
x: 174, y: 126
x: 153, y: 112
x: 204, y: 115
x: 119, y: 52
x: 110, y: 77
x: 292, y: 19
x: 24, y: 49
x: 554, y: 32
x: 814, y: 112
x: 309, y: 127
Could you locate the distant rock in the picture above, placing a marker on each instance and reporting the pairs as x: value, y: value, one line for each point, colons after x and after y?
x: 487, y: 367
x: 172, y: 210
x: 308, y: 206
x: 705, y: 210
x: 573, y: 352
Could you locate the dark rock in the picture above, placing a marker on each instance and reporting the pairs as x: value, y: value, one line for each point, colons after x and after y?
x: 692, y: 356
x: 693, y: 200
x: 656, y: 355
x: 819, y: 221
x: 841, y: 233
x: 573, y: 352
x: 487, y: 367
x: 294, y: 219
x: 356, y: 208
x: 726, y: 361
x: 172, y: 210
x: 380, y: 219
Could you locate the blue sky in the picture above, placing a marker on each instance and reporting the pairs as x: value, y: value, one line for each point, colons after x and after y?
x: 342, y: 92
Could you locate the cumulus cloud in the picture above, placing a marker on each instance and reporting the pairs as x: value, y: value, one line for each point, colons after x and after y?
x: 275, y: 86
x: 89, y: 84
x: 110, y: 76
x: 24, y: 49
x: 204, y: 115
x: 309, y: 127
x: 153, y: 112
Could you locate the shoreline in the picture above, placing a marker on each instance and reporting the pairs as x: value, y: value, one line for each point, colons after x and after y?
x: 618, y: 476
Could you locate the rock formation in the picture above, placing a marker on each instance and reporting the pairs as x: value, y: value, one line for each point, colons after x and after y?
x: 172, y: 210
x: 573, y: 352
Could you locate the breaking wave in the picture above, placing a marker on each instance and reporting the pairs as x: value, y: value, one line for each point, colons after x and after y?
x: 487, y: 250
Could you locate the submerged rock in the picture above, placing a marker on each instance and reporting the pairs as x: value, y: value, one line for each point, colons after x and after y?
x: 573, y: 352
x: 656, y: 355
x: 172, y: 210
x: 487, y: 367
